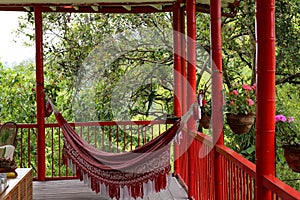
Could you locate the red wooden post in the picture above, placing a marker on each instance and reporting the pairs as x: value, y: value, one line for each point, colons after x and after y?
x: 40, y: 94
x: 217, y: 94
x: 265, y: 111
x: 184, y: 142
x: 177, y: 72
x: 183, y: 59
x: 191, y: 89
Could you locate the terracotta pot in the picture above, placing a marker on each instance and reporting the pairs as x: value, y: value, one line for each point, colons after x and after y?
x: 240, y: 123
x: 292, y: 156
x: 205, y: 121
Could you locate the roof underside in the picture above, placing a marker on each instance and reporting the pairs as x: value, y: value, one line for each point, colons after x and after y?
x: 117, y: 6
x: 20, y: 2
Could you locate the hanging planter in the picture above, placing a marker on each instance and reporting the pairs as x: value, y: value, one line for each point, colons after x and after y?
x: 205, y: 121
x: 288, y: 134
x: 48, y: 109
x: 292, y: 156
x: 240, y: 123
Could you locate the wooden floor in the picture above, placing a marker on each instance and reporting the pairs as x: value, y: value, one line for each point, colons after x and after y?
x: 75, y: 190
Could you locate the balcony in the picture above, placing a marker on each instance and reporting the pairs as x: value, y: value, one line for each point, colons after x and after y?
x: 238, y: 174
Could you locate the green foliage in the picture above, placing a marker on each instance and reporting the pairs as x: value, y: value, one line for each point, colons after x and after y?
x: 17, y: 99
x: 288, y: 41
x: 243, y: 144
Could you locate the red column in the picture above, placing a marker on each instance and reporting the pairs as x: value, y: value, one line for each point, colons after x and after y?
x: 40, y: 94
x: 191, y: 88
x: 177, y: 74
x: 183, y: 142
x: 183, y: 59
x: 217, y: 91
x: 265, y: 111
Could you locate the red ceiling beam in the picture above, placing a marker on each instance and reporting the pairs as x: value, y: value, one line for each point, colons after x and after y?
x: 115, y: 8
x: 89, y: 9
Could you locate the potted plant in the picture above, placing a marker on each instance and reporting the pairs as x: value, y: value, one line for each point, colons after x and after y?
x: 240, y: 106
x: 205, y: 114
x: 205, y: 106
x: 287, y: 134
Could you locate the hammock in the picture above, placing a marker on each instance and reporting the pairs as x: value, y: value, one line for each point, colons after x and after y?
x: 120, y: 175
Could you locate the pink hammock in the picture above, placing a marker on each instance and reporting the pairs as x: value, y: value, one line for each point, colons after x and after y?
x: 120, y: 175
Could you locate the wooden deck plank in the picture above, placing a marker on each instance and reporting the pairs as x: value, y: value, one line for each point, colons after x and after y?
x: 75, y: 190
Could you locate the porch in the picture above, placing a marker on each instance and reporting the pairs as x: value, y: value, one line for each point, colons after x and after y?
x: 74, y: 189
x: 207, y: 168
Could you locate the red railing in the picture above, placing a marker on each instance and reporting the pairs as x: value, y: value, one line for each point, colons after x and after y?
x: 107, y: 136
x: 238, y: 174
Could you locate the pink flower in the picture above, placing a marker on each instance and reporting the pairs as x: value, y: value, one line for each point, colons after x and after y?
x: 231, y: 102
x: 246, y: 87
x: 250, y: 102
x: 235, y: 92
x: 279, y: 118
x: 291, y: 119
x: 254, y: 86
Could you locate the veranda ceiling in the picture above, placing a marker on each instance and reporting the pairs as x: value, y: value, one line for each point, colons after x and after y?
x: 104, y: 2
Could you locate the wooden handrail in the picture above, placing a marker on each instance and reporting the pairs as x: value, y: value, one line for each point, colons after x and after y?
x: 281, y: 189
x: 102, y: 123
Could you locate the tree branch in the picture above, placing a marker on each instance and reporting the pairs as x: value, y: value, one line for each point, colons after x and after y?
x: 289, y: 79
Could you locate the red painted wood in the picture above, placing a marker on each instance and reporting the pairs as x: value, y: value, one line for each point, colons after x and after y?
x: 177, y: 75
x: 183, y: 60
x: 282, y: 190
x: 191, y: 90
x: 89, y: 9
x: 40, y: 94
x: 184, y: 142
x: 265, y: 111
x: 217, y: 94
x: 177, y: 60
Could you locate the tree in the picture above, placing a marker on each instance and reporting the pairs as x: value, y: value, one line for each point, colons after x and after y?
x: 77, y: 44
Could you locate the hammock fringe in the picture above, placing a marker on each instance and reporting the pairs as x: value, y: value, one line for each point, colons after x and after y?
x: 158, y: 184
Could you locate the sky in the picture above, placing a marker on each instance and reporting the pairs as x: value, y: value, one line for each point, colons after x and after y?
x: 12, y: 53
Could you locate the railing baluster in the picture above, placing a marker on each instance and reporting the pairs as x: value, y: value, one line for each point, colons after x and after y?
x: 110, y: 138
x: 152, y: 133
x: 103, y: 137
x: 139, y: 136
x: 52, y: 152
x: 117, y: 137
x: 21, y: 147
x: 59, y: 155
x: 124, y: 148
x: 95, y: 137
x: 131, y: 137
x: 28, y: 149
x: 88, y: 134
